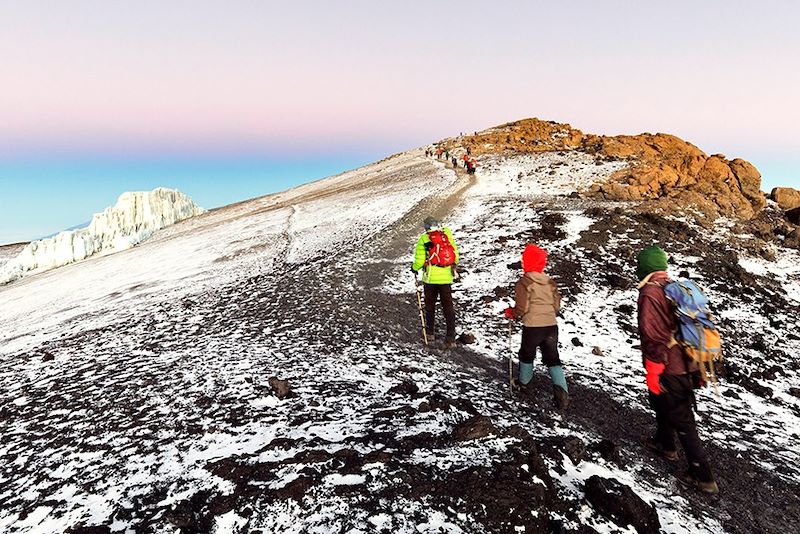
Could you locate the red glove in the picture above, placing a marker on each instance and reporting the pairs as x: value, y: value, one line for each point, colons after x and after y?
x: 509, y: 313
x: 653, y: 371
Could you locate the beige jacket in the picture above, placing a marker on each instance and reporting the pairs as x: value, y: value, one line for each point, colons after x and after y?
x: 536, y: 300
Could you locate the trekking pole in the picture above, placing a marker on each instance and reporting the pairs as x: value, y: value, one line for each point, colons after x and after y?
x: 419, y: 306
x: 510, y: 359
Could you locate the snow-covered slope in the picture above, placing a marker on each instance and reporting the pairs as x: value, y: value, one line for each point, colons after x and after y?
x: 135, y: 392
x: 134, y: 218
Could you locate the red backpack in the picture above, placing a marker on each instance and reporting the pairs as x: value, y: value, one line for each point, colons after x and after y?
x: 440, y: 251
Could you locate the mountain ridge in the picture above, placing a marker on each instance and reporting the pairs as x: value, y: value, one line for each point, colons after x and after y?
x: 661, y: 167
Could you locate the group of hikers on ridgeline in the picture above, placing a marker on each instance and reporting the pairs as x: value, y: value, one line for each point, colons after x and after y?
x: 671, y: 316
x: 441, y: 153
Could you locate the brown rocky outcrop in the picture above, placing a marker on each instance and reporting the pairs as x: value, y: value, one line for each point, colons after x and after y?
x: 786, y: 197
x: 662, y: 168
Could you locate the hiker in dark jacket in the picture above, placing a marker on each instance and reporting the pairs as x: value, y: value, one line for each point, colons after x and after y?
x: 437, y: 279
x: 536, y: 303
x: 668, y: 373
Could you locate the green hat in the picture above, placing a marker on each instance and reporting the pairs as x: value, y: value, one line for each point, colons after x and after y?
x: 650, y: 260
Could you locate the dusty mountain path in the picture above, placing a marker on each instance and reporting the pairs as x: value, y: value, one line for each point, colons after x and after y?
x: 396, y: 239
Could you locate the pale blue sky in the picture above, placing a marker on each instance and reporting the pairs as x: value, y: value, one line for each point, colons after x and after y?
x: 272, y: 93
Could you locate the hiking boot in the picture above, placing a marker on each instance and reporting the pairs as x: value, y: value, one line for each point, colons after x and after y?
x: 690, y: 480
x: 560, y: 398
x: 656, y: 447
x: 519, y: 387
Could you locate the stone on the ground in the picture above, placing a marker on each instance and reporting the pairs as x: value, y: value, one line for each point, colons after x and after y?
x: 466, y: 339
x: 476, y: 427
x: 280, y: 388
x: 406, y: 387
x: 621, y: 504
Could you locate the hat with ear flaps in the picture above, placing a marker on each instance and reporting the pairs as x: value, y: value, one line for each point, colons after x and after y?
x: 534, y: 259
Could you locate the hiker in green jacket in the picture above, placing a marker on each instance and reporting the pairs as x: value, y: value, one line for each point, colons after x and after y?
x: 436, y: 253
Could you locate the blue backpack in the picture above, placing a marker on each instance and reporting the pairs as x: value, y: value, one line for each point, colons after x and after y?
x: 697, y: 332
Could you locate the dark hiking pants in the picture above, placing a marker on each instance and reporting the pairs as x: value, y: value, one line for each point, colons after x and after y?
x: 445, y: 293
x: 540, y: 337
x: 673, y: 409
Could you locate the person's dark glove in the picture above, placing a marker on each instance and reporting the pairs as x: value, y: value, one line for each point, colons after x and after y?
x: 413, y: 270
x: 509, y: 313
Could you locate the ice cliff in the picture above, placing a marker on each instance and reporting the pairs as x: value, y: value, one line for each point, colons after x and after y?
x: 134, y: 218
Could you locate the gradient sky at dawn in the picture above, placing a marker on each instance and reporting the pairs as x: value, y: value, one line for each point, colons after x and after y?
x: 228, y: 100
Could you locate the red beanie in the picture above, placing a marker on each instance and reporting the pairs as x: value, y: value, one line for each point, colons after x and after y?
x: 533, y: 259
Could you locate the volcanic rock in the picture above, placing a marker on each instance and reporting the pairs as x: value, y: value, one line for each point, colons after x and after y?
x: 476, y: 427
x: 793, y: 215
x: 787, y: 197
x: 619, y: 503
x: 280, y: 388
x: 406, y: 387
x: 607, y: 449
x: 466, y: 339
x: 661, y: 167
x: 572, y: 446
x: 101, y: 529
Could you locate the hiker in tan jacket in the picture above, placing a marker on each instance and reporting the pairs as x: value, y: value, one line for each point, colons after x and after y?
x: 536, y: 303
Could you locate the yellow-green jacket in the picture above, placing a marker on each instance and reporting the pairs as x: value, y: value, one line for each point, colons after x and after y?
x: 433, y: 274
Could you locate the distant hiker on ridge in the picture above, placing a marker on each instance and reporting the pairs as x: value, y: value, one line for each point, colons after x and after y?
x: 536, y: 303
x: 437, y: 253
x: 669, y: 373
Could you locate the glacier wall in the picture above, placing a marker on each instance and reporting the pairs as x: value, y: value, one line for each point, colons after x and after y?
x: 134, y: 218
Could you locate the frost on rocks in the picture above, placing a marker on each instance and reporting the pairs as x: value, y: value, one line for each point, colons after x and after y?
x: 134, y: 218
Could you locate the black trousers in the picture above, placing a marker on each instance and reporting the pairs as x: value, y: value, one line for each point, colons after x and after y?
x: 540, y: 337
x: 673, y: 409
x: 445, y: 293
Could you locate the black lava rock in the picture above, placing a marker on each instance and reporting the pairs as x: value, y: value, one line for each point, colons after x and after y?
x: 501, y: 292
x: 620, y: 503
x: 406, y: 387
x: 280, y: 388
x: 793, y: 216
x: 607, y: 449
x: 466, y: 339
x: 476, y: 427
x: 616, y: 281
x: 572, y: 446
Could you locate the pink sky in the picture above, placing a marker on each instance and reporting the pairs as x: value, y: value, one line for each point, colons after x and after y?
x: 256, y: 76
